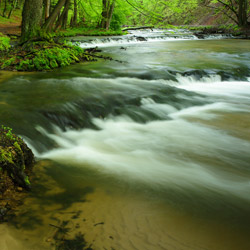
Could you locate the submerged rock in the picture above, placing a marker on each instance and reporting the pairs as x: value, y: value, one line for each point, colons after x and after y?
x: 140, y: 38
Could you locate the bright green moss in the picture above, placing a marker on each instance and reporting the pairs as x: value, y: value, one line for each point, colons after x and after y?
x: 4, y: 42
x: 45, y: 56
x: 15, y: 157
x: 8, y: 62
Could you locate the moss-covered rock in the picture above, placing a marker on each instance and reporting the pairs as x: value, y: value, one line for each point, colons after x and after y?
x: 42, y: 55
x: 16, y: 159
x: 16, y: 162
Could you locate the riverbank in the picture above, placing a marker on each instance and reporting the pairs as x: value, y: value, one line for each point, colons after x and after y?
x: 16, y: 162
x: 42, y: 55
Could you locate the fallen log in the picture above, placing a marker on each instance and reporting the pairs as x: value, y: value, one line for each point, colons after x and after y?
x: 138, y: 28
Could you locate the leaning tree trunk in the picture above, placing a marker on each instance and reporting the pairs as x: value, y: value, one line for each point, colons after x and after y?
x: 46, y: 8
x: 107, y: 12
x: 74, y: 20
x: 13, y: 6
x: 63, y: 18
x: 104, y: 13
x: 5, y: 8
x: 31, y: 19
x: 48, y: 25
x: 110, y: 14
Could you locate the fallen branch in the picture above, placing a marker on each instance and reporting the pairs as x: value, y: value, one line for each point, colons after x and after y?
x: 139, y: 28
x: 103, y: 57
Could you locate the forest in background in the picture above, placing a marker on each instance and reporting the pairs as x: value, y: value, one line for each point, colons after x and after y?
x: 54, y: 15
x: 43, y: 22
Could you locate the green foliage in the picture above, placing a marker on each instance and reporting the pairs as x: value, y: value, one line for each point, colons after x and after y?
x: 27, y: 181
x: 116, y: 22
x: 229, y: 28
x: 14, y: 157
x: 14, y: 18
x: 87, y: 31
x: 44, y: 56
x: 4, y: 42
x: 8, y: 133
x: 8, y: 62
x: 5, y: 156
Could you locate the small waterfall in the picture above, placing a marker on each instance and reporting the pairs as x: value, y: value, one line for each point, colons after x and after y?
x: 137, y: 37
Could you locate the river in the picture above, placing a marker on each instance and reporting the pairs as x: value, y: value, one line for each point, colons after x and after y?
x: 148, y: 151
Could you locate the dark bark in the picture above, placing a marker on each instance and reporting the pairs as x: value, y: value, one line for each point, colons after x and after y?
x: 31, y: 19
x: 110, y: 14
x: 242, y: 13
x: 104, y: 13
x: 63, y: 18
x: 236, y: 10
x: 48, y: 25
x: 46, y: 8
x: 74, y: 20
x: 5, y: 8
x: 107, y: 12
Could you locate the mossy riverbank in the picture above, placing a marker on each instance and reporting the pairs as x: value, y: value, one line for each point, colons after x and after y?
x: 42, y: 55
x: 16, y: 162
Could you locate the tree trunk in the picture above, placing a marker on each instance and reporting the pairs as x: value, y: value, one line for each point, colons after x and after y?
x: 19, y: 4
x: 107, y: 12
x: 52, y: 18
x: 104, y: 13
x: 242, y: 13
x: 46, y: 8
x: 12, y: 8
x: 63, y: 18
x: 31, y: 19
x: 74, y: 21
x: 110, y: 14
x: 5, y: 8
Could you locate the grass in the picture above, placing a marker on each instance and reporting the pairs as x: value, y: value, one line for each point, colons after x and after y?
x: 4, y: 42
x: 83, y: 31
x: 16, y: 17
x: 229, y: 27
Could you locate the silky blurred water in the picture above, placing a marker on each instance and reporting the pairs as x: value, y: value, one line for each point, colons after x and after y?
x: 154, y: 148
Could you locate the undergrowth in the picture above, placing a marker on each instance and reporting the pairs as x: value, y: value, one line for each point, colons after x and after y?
x: 38, y: 56
x: 4, y: 42
x: 83, y: 31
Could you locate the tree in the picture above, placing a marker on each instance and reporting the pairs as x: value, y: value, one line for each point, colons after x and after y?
x: 107, y: 12
x: 74, y: 18
x: 236, y: 10
x: 48, y: 25
x: 47, y: 8
x: 63, y: 18
x: 31, y: 19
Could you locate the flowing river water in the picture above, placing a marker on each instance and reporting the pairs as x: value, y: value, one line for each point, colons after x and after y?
x: 152, y: 152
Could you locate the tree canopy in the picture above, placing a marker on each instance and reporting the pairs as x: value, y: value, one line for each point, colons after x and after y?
x: 53, y: 15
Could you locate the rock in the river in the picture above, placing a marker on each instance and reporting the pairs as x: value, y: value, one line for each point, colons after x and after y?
x: 140, y: 38
x: 16, y: 162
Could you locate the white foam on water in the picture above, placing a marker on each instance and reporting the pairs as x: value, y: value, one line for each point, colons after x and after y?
x: 155, y: 153
x: 214, y: 86
x: 167, y: 153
